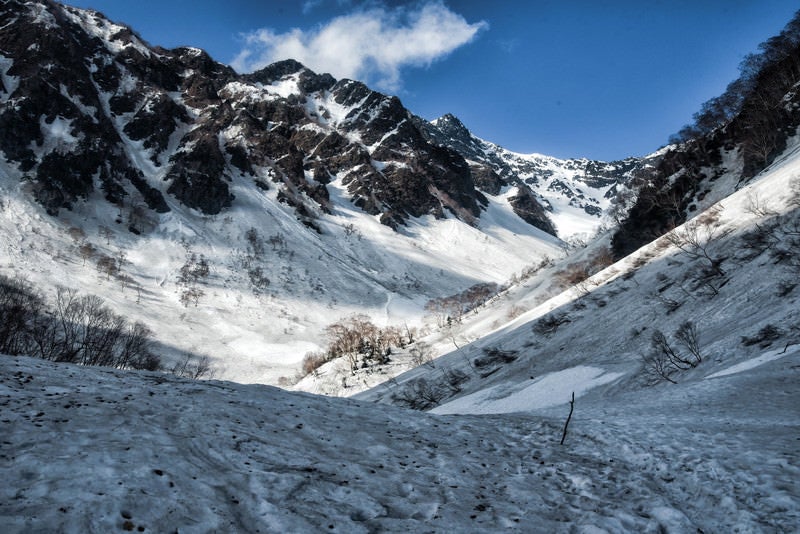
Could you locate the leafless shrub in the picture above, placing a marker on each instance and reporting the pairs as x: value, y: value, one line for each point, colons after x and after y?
x: 193, y: 367
x: 277, y: 242
x: 660, y: 344
x: 759, y: 240
x: 572, y: 274
x: 514, y: 312
x: 453, y: 379
x: 86, y: 251
x: 254, y: 242
x: 764, y: 337
x: 758, y: 206
x: 392, y: 336
x: 494, y: 356
x: 686, y: 335
x: 257, y: 278
x: 419, y: 394
x: 642, y: 259
x: 421, y: 354
x: 194, y: 270
x: 660, y: 244
x: 696, y: 236
x: 107, y: 265
x: 125, y: 280
x: 77, y: 234
x: 663, y: 361
x: 313, y: 361
x: 658, y: 366
x: 788, y: 252
x: 549, y: 324
x: 447, y: 310
x: 191, y: 295
x: 531, y: 270
x: 492, y: 360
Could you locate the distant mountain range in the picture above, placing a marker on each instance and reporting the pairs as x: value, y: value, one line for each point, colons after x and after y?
x: 89, y: 106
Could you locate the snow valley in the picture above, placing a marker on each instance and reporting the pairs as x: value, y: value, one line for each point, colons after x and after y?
x: 529, y: 344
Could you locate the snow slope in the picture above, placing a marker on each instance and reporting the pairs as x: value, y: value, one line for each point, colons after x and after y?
x: 260, y: 335
x: 607, y: 322
x: 93, y: 450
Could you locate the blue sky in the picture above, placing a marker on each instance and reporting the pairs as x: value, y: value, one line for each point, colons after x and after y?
x: 580, y: 78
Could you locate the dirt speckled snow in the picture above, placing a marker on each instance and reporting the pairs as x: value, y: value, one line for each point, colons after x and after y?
x: 91, y: 450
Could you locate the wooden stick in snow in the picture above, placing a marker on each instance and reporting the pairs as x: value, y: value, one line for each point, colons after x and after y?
x: 571, y: 407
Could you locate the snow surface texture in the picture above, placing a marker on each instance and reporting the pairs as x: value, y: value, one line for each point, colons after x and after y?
x: 91, y: 450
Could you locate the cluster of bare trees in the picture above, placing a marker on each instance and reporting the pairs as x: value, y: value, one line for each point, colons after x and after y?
x: 76, y: 329
x: 361, y: 342
x: 765, y: 77
x: 777, y: 235
x: 756, y: 115
x: 695, y: 239
x: 575, y: 273
x: 194, y: 270
x: 447, y: 310
x: 251, y: 262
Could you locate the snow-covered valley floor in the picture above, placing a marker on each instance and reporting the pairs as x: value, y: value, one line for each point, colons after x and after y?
x: 96, y: 450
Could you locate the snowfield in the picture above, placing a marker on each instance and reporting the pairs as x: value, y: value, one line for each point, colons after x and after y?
x: 93, y: 450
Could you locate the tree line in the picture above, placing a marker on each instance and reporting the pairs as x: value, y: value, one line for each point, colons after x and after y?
x: 75, y: 329
x: 755, y: 116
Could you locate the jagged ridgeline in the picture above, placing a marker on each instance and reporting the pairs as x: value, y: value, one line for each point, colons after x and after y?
x: 87, y: 106
x: 80, y: 95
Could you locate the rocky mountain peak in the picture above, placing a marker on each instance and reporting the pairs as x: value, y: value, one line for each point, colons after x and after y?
x: 85, y: 98
x: 450, y: 125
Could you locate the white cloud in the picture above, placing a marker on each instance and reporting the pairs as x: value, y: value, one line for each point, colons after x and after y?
x: 371, y: 45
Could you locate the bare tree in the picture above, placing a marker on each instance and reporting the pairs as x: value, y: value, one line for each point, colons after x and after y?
x: 687, y: 337
x: 660, y: 344
x: 696, y: 236
x: 421, y: 354
x: 107, y: 265
x: 87, y: 251
x: 659, y: 366
x: 193, y: 367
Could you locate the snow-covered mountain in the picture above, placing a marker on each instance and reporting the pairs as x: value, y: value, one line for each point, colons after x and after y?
x: 234, y: 215
x: 731, y: 272
x: 575, y: 193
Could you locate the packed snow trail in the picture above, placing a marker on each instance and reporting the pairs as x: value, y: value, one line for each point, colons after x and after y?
x: 93, y: 450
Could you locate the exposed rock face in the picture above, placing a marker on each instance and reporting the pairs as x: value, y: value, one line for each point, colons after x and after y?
x: 86, y: 105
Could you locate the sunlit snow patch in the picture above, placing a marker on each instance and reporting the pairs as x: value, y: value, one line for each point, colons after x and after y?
x: 753, y: 362
x: 551, y: 389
